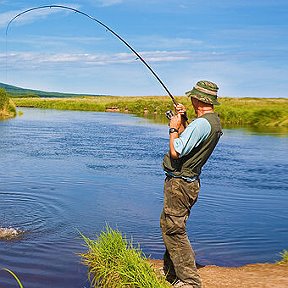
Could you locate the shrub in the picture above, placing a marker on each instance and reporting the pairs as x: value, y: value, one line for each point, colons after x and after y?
x: 3, y: 99
x: 7, y: 107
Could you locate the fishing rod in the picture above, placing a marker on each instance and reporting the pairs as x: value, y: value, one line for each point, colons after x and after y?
x: 106, y: 27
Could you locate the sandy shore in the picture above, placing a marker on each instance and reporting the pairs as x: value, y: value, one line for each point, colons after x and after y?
x: 248, y: 276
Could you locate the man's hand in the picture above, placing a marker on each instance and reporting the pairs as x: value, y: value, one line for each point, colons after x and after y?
x: 175, y: 121
x: 180, y: 109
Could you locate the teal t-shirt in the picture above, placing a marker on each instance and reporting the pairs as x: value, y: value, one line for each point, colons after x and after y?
x: 195, y: 133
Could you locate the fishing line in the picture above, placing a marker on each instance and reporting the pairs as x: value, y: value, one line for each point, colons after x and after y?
x: 107, y: 29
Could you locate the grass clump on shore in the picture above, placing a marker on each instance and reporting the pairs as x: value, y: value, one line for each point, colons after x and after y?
x: 114, y: 262
x: 284, y: 257
x: 7, y: 107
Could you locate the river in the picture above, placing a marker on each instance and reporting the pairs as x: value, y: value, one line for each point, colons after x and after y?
x: 63, y: 172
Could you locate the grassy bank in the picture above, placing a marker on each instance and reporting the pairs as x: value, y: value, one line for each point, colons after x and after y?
x: 255, y: 112
x: 113, y: 262
x: 7, y: 107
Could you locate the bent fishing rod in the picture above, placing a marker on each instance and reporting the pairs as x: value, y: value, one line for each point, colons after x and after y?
x: 106, y: 27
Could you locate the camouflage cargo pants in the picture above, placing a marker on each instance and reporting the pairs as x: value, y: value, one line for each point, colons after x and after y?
x: 179, y: 257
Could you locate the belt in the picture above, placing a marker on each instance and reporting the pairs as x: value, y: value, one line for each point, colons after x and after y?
x: 188, y: 179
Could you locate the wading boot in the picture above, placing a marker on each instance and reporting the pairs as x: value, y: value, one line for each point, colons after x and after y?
x: 181, y: 284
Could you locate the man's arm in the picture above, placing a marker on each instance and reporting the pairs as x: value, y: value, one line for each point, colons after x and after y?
x: 175, y: 123
x: 195, y: 133
x: 179, y: 123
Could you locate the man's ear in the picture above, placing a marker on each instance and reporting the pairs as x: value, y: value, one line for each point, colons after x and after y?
x: 194, y: 102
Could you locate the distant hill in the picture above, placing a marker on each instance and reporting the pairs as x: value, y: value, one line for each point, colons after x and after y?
x: 15, y: 91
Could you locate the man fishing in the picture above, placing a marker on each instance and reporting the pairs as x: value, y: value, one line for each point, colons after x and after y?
x: 189, y: 149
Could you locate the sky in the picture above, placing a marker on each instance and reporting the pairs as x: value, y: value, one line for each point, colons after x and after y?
x: 241, y: 45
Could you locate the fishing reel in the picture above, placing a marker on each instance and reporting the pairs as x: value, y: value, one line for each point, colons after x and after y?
x: 169, y: 114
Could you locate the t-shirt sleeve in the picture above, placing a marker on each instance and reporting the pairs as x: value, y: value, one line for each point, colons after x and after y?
x: 195, y: 133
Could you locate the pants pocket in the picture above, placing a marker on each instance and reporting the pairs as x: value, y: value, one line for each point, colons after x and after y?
x: 172, y: 224
x: 179, y: 196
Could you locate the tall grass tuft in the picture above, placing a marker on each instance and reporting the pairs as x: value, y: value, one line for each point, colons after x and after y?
x: 114, y: 262
x: 284, y: 259
x: 15, y: 277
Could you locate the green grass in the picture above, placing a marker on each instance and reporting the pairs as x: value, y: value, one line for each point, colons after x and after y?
x: 3, y: 99
x: 7, y: 106
x: 114, y: 262
x: 284, y: 257
x: 15, y: 276
x: 253, y: 112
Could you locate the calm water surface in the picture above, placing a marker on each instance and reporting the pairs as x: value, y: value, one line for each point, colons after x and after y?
x: 63, y: 171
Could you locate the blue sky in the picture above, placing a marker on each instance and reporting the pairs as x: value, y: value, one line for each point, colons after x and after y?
x: 241, y: 45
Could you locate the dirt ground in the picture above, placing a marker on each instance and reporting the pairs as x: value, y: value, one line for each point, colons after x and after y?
x: 248, y: 276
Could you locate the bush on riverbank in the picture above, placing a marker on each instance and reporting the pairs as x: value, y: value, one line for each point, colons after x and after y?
x: 113, y: 262
x: 254, y: 112
x: 7, y: 107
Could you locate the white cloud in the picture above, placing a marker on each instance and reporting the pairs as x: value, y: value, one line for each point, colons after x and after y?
x: 28, y: 59
x: 53, y: 42
x: 145, y: 42
x: 28, y: 17
x: 167, y: 42
x: 6, y: 17
x: 60, y: 72
x: 105, y: 3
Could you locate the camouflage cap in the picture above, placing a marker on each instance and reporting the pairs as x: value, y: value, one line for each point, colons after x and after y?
x: 204, y: 91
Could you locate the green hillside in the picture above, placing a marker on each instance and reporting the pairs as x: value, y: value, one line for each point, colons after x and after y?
x: 15, y: 91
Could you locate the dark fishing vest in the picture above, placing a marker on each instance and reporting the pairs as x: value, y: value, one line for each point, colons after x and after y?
x: 190, y: 165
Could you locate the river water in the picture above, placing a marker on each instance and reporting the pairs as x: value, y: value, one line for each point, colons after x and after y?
x: 63, y: 172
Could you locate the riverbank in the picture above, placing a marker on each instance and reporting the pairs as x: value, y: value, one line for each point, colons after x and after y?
x: 111, y: 257
x: 254, y: 112
x: 248, y: 276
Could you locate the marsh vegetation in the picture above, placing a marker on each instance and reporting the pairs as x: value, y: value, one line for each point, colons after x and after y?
x: 256, y: 112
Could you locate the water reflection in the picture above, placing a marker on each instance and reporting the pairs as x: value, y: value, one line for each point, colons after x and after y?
x: 265, y: 130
